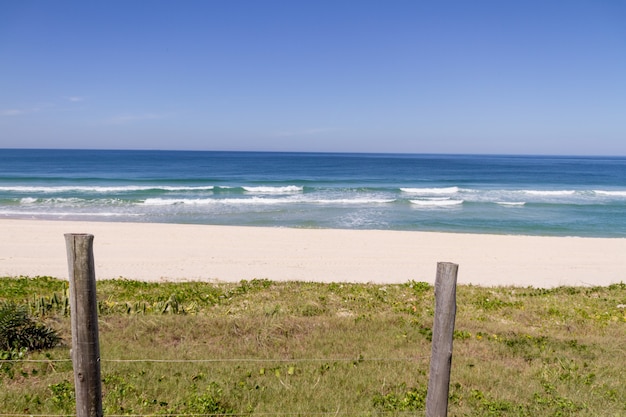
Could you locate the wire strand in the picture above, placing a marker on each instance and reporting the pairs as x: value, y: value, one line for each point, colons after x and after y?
x: 410, y: 359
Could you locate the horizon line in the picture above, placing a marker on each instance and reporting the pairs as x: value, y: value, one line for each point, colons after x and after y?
x: 318, y: 152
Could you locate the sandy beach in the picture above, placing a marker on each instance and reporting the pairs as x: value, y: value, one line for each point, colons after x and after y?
x: 172, y: 252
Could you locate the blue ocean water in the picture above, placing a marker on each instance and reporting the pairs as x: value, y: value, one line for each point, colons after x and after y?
x: 529, y: 195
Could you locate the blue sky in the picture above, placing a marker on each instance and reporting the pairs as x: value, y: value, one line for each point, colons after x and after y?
x: 522, y: 77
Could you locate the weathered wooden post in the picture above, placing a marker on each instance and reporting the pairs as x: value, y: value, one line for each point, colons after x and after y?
x: 443, y: 331
x: 84, y: 318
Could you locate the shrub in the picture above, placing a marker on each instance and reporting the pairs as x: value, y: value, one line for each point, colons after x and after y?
x: 19, y: 331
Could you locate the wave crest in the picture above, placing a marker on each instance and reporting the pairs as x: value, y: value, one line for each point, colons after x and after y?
x: 437, y: 203
x: 287, y: 189
x: 431, y: 191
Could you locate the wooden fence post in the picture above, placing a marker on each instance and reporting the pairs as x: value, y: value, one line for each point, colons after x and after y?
x: 443, y: 331
x: 84, y: 317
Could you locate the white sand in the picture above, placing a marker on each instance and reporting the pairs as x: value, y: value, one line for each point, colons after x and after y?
x: 168, y: 252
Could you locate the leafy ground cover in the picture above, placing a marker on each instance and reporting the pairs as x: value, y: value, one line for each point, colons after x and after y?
x: 299, y: 348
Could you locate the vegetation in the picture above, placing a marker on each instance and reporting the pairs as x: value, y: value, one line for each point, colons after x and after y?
x: 299, y: 348
x: 18, y: 331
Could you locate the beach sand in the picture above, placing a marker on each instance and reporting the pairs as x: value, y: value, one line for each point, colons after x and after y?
x: 172, y: 252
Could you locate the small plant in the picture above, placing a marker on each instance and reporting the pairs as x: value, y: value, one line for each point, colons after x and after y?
x: 42, y: 306
x: 495, y: 407
x: 211, y: 402
x: 419, y: 287
x: 491, y: 303
x: 19, y: 331
x: 63, y: 396
x: 411, y: 399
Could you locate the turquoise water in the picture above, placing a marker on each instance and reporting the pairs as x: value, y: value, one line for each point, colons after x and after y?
x: 531, y: 195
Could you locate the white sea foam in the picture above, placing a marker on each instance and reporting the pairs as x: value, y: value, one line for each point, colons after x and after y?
x: 363, y: 201
x: 29, y: 189
x: 550, y: 193
x: 262, y: 201
x: 174, y: 201
x: 431, y: 191
x: 511, y: 203
x: 256, y: 201
x: 65, y: 201
x: 620, y: 193
x: 437, y: 198
x: 213, y: 201
x: 432, y: 203
x: 66, y: 213
x: 101, y: 189
x: 288, y: 189
x: 172, y: 188
x: 70, y: 202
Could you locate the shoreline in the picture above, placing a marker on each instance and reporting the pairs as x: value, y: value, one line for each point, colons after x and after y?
x: 187, y: 252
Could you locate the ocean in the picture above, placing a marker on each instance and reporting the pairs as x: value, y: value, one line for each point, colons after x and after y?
x: 497, y: 194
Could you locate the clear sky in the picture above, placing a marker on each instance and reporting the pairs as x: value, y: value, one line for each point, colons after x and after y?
x: 522, y: 77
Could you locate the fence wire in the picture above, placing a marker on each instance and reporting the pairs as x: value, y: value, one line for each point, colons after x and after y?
x: 295, y: 414
x: 256, y: 360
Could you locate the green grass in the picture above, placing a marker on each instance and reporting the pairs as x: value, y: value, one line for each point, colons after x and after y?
x: 263, y: 348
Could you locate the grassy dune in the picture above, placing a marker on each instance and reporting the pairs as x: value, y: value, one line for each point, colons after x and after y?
x: 297, y: 348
